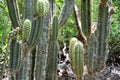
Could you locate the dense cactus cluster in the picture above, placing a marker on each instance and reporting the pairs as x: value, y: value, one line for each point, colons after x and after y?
x: 34, y: 32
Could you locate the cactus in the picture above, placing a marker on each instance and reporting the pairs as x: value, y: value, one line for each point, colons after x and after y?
x: 36, y: 32
x: 14, y: 13
x: 34, y: 28
x: 42, y: 7
x: 53, y: 52
x: 15, y: 55
x: 66, y: 11
x: 26, y: 29
x: 41, y: 51
x: 102, y: 34
x: 86, y: 17
x: 71, y: 45
x: 77, y: 57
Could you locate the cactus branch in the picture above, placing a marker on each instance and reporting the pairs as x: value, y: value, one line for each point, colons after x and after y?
x: 81, y: 36
x: 66, y: 11
x: 29, y: 9
x: 86, y: 8
x: 14, y: 13
x: 53, y: 52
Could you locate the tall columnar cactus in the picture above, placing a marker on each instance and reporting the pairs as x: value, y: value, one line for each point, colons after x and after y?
x: 102, y: 34
x: 86, y: 15
x: 97, y: 49
x: 52, y: 52
x: 77, y: 57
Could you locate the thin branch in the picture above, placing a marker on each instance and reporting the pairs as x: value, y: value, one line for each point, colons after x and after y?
x: 81, y: 36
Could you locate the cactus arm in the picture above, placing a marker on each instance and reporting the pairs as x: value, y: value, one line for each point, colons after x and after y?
x: 12, y: 44
x: 71, y: 45
x: 26, y: 30
x: 53, y: 52
x: 16, y: 56
x: 66, y: 11
x: 102, y: 34
x: 52, y: 7
x: 28, y: 9
x: 86, y: 17
x: 42, y: 7
x: 36, y: 32
x: 77, y: 59
x: 14, y: 13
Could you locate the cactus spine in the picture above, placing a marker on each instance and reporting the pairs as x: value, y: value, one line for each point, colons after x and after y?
x: 26, y: 29
x: 53, y: 52
x: 77, y: 57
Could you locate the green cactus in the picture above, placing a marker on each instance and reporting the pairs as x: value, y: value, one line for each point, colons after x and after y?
x: 12, y: 45
x: 71, y: 45
x: 42, y: 7
x: 102, y: 35
x: 77, y: 58
x: 14, y: 13
x: 36, y: 32
x: 16, y: 55
x: 86, y: 17
x: 53, y: 52
x: 66, y: 11
x: 26, y: 29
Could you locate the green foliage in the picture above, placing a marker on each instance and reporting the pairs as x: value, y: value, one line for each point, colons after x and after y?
x: 4, y: 28
x: 114, y: 36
